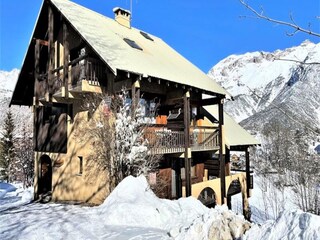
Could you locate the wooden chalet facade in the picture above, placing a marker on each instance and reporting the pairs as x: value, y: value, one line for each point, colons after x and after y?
x: 76, y: 53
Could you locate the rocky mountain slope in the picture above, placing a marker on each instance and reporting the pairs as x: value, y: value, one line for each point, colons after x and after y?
x: 282, y: 85
x: 22, y: 115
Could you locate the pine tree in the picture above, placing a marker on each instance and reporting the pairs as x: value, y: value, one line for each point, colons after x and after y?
x: 7, y: 154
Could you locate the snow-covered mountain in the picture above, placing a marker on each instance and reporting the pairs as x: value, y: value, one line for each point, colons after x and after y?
x: 284, y: 84
x: 22, y: 115
x: 7, y: 82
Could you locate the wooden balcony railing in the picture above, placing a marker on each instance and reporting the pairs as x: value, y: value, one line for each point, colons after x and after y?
x: 85, y: 75
x: 90, y: 70
x: 204, y: 139
x: 166, y: 141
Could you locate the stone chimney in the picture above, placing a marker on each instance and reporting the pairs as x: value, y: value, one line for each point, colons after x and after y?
x: 122, y: 16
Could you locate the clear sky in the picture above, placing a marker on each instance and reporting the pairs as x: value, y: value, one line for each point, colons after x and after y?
x: 204, y: 31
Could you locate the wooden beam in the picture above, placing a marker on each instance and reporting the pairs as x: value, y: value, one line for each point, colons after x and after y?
x: 65, y: 59
x: 36, y: 72
x: 71, y: 63
x: 247, y: 171
x: 51, y: 52
x: 152, y: 87
x: 206, y: 102
x: 208, y: 115
x: 36, y: 102
x: 227, y: 161
x: 42, y: 42
x: 135, y: 95
x: 177, y: 170
x: 221, y: 158
x: 133, y: 99
x: 187, y: 158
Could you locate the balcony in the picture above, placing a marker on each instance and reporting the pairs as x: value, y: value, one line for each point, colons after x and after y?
x: 84, y: 75
x: 162, y: 140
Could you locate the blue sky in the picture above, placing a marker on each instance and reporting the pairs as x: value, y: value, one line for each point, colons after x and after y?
x: 204, y: 31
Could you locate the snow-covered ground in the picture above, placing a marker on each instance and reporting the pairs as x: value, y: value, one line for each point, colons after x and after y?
x: 12, y: 196
x: 132, y: 211
x: 266, y: 202
x: 274, y: 214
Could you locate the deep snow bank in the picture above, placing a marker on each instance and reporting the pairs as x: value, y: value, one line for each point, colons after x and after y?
x: 132, y: 203
x: 14, y: 195
x: 289, y: 225
x: 6, y: 187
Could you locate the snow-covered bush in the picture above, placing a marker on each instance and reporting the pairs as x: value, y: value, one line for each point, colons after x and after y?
x: 131, y: 147
x: 116, y: 132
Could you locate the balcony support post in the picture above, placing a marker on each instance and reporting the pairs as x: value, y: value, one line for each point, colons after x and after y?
x: 177, y: 171
x: 227, y: 169
x: 65, y: 61
x: 248, y: 171
x: 221, y: 158
x: 246, y: 194
x: 187, y: 152
x: 135, y: 94
x: 227, y: 161
x: 36, y: 72
x: 51, y: 53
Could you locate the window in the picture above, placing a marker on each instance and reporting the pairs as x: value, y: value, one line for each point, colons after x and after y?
x: 146, y: 36
x: 80, y: 165
x: 132, y: 44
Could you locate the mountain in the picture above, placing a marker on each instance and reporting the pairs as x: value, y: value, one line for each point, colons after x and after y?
x: 22, y: 115
x: 7, y: 82
x: 283, y: 85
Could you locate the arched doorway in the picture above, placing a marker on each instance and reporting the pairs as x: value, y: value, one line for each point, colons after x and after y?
x: 45, y: 175
x: 208, y: 197
x: 234, y: 188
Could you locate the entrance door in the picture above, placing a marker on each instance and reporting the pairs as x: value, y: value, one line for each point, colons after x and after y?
x: 45, y: 178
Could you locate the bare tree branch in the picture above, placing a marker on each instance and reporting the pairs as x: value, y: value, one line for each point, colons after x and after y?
x: 292, y: 25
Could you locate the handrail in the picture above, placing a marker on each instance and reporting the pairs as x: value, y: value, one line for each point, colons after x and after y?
x: 162, y: 140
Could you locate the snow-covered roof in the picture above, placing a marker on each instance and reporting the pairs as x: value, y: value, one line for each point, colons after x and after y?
x: 156, y: 59
x: 234, y: 134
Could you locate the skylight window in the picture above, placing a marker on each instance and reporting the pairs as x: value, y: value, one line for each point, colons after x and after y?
x: 132, y: 44
x: 146, y: 35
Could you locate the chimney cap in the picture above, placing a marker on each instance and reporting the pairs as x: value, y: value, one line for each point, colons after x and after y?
x: 119, y: 9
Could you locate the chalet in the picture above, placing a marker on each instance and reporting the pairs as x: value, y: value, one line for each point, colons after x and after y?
x: 75, y: 53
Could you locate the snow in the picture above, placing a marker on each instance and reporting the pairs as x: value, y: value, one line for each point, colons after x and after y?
x: 269, y: 75
x: 8, y: 81
x: 185, y: 218
x: 12, y: 196
x: 293, y: 224
x: 275, y: 216
x: 132, y: 211
x: 266, y: 202
x: 318, y: 115
x: 22, y: 115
